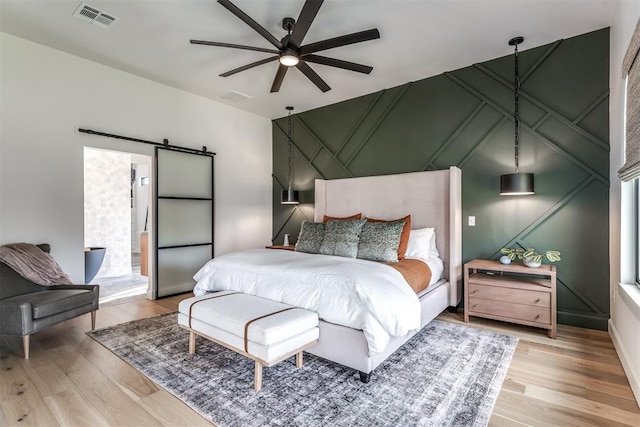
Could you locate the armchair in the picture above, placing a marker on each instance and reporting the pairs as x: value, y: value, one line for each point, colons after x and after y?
x: 26, y: 307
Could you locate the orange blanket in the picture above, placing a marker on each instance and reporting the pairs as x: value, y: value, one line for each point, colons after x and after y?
x: 415, y: 272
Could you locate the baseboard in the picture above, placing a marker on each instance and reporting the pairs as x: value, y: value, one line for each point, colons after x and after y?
x: 634, y: 381
x: 583, y: 320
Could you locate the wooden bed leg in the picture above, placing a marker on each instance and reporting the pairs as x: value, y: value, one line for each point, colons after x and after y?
x: 299, y: 358
x: 25, y: 346
x: 365, y: 376
x: 93, y: 320
x: 257, y: 384
x: 192, y: 342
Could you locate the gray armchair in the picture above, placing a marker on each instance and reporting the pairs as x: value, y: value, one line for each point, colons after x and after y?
x: 26, y: 307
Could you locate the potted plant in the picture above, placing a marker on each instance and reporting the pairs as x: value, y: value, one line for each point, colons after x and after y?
x: 529, y: 256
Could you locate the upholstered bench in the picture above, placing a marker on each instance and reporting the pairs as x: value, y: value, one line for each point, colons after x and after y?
x: 263, y: 330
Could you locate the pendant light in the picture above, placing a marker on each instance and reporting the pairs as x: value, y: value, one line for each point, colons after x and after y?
x: 516, y: 184
x: 289, y: 196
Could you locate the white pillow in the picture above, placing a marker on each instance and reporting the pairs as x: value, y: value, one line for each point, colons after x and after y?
x: 422, y: 244
x: 434, y: 247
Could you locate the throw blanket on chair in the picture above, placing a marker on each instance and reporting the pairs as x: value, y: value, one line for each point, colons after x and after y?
x: 33, y: 264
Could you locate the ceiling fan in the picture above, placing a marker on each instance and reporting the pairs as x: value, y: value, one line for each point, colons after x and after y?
x: 289, y: 50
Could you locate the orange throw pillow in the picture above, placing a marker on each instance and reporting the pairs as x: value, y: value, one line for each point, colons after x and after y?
x: 335, y: 218
x: 404, y: 237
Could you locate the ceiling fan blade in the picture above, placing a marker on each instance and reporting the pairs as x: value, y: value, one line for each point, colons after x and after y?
x: 277, y: 81
x: 250, y: 22
x: 307, y: 15
x: 332, y: 62
x: 361, y: 36
x: 313, y: 76
x: 246, y: 67
x: 234, y: 46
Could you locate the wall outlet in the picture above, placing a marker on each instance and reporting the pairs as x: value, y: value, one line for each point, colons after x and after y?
x: 472, y: 221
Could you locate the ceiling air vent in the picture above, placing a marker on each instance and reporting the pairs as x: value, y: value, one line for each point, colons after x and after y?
x: 233, y: 96
x: 94, y: 16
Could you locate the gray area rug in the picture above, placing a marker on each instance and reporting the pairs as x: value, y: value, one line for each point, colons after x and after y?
x: 446, y: 375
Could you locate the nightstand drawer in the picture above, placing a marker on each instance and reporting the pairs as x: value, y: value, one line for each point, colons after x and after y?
x: 518, y: 296
x: 509, y: 310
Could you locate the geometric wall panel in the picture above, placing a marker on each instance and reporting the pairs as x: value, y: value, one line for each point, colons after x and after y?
x: 465, y: 118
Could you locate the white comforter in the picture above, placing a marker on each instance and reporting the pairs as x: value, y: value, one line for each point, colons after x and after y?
x: 356, y: 293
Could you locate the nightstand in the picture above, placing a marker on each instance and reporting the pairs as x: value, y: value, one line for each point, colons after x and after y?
x: 511, y: 293
x: 283, y: 247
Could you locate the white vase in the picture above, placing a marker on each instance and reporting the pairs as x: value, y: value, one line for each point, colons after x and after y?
x: 505, y: 260
x: 529, y: 262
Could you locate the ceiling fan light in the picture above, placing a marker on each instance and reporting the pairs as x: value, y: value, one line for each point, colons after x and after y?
x: 289, y: 59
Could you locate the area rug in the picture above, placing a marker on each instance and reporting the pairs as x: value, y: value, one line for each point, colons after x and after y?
x: 446, y: 375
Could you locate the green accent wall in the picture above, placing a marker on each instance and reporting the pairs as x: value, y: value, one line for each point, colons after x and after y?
x: 465, y: 118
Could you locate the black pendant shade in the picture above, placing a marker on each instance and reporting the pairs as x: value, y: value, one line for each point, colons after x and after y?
x: 516, y: 184
x: 289, y: 197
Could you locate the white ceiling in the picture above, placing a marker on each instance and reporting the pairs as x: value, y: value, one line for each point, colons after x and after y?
x: 419, y: 38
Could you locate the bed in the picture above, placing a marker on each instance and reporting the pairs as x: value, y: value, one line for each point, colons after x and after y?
x: 433, y: 199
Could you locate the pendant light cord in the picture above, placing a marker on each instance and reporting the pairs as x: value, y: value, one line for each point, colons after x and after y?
x: 516, y: 116
x: 289, y: 143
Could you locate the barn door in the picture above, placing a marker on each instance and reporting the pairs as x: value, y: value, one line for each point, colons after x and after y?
x: 183, y: 223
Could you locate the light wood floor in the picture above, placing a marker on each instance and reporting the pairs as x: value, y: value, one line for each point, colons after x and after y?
x: 71, y: 380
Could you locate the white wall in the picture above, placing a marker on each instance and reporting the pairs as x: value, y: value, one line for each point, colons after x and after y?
x: 624, y: 324
x: 45, y: 94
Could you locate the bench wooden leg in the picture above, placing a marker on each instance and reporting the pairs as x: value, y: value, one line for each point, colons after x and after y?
x: 192, y: 342
x: 25, y: 346
x: 93, y: 320
x: 257, y: 385
x: 299, y: 360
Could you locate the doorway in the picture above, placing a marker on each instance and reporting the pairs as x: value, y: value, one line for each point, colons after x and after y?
x: 116, y: 219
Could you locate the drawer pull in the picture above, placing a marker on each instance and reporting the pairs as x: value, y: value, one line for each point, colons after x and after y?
x: 474, y: 306
x: 538, y: 316
x: 475, y: 291
x: 537, y: 301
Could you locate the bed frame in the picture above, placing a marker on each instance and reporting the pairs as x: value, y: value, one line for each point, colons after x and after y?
x: 434, y: 199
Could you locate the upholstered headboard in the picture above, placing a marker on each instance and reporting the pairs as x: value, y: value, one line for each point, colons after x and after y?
x: 433, y: 198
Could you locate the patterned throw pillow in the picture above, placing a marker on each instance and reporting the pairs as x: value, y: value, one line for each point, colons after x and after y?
x: 341, y: 238
x: 310, y: 237
x: 404, y: 237
x: 379, y: 241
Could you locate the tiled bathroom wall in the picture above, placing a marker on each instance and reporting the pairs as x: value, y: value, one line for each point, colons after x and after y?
x: 107, y: 208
